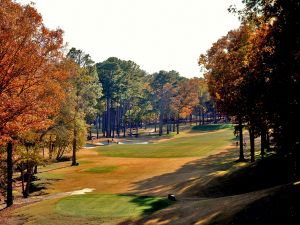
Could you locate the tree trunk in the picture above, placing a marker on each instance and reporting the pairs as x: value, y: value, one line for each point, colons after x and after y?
x: 161, y: 124
x: 74, y: 163
x: 263, y: 138
x: 174, y: 124
x: 241, y: 157
x: 177, y: 125
x: 155, y: 125
x: 9, y: 188
x: 97, y: 125
x: 108, y: 122
x: 268, y: 141
x: 252, y: 144
x: 168, y: 130
x: 199, y: 116
x: 104, y: 124
x: 22, y: 178
x: 29, y: 178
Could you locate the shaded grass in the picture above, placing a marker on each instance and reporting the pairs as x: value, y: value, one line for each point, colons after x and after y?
x: 110, y: 206
x: 188, y: 146
x: 262, y: 174
x: 280, y: 207
x: 102, y: 169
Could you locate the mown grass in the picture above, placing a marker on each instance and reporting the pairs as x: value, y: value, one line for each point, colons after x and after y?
x: 184, y: 146
x: 211, y: 127
x: 102, y: 169
x: 110, y: 206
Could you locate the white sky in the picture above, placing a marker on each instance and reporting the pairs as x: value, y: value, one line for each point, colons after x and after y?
x: 156, y: 34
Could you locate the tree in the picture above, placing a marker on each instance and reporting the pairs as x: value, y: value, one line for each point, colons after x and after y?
x: 86, y: 90
x: 163, y: 84
x: 31, y: 74
x: 185, y: 99
x: 122, y: 83
x: 225, y: 63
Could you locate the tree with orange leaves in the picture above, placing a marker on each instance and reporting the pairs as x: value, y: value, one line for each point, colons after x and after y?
x: 185, y: 99
x: 30, y: 75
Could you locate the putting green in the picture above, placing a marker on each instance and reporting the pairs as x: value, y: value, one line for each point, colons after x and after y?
x: 110, y: 206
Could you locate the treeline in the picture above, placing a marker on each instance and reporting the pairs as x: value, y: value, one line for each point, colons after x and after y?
x: 132, y: 98
x: 253, y: 75
x: 49, y: 98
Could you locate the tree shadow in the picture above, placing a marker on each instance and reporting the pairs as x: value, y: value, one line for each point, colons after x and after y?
x: 216, y: 176
x: 189, y: 175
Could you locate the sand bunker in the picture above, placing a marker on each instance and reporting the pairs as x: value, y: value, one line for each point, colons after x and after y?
x: 82, y: 191
x: 134, y: 143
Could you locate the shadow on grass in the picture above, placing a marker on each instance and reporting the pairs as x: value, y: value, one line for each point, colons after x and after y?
x: 250, y: 192
x: 279, y: 207
x: 150, y: 204
x: 267, y: 173
x: 188, y: 177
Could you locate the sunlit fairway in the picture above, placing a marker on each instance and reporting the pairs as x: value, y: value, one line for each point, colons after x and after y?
x: 186, y: 145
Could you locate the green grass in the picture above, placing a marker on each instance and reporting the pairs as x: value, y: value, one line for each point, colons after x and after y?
x: 50, y: 176
x: 184, y: 146
x: 211, y: 127
x: 110, y: 206
x: 102, y: 169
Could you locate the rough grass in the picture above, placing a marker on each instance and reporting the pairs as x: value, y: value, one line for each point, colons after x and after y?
x: 184, y: 146
x: 50, y: 176
x: 110, y: 206
x: 102, y: 169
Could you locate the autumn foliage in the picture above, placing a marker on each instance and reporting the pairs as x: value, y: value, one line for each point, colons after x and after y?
x: 31, y: 70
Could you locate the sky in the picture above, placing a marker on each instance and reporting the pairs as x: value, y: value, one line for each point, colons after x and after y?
x: 156, y: 34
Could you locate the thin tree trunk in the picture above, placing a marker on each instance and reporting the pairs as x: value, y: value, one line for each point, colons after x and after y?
x: 168, y: 130
x: 241, y: 157
x: 9, y: 188
x: 177, y: 125
x: 97, y: 125
x: 268, y: 141
x: 174, y: 124
x: 252, y: 144
x: 263, y: 143
x: 108, y: 122
x: 74, y: 163
x: 29, y: 178
x: 160, y: 124
x: 22, y: 178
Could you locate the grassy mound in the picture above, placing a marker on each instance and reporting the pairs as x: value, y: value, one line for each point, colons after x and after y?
x: 110, y: 206
x: 186, y: 146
